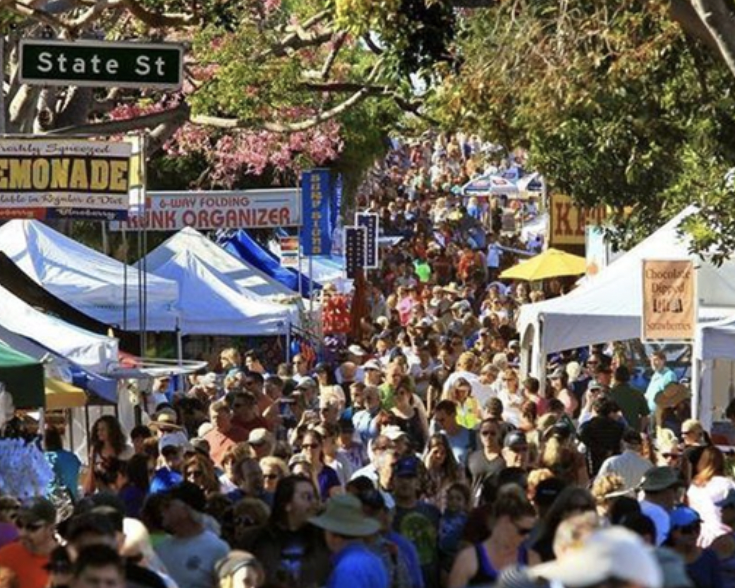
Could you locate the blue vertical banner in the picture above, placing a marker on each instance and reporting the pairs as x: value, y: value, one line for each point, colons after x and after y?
x: 369, y: 220
x: 316, y: 196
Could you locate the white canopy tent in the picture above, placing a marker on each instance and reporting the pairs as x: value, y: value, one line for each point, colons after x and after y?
x: 211, y: 304
x: 714, y: 357
x: 89, y: 350
x: 90, y: 281
x: 246, y: 277
x: 609, y: 306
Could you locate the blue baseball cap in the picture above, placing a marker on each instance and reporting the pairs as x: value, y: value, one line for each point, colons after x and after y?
x: 683, y: 516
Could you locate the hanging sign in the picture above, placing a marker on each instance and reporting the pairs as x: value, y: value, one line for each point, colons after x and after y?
x: 354, y: 250
x: 568, y: 221
x: 49, y: 62
x: 220, y: 209
x: 370, y: 221
x: 64, y: 178
x: 669, y: 303
x: 316, y: 197
x: 289, y: 251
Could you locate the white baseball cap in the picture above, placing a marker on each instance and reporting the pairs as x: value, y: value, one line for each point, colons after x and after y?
x: 609, y: 553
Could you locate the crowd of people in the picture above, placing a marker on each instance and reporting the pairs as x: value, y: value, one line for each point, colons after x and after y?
x: 413, y: 454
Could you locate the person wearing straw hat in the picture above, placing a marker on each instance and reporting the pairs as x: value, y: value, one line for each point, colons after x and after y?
x: 166, y: 425
x: 345, y: 529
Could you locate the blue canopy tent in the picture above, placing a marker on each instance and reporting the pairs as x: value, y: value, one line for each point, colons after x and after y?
x: 242, y: 245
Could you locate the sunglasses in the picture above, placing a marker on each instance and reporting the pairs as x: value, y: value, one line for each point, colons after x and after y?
x: 523, y: 531
x: 488, y: 433
x: 309, y: 445
x: 270, y: 476
x: 671, y: 455
x: 194, y: 473
x: 32, y: 527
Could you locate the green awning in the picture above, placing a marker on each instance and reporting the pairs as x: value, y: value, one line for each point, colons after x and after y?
x: 23, y: 377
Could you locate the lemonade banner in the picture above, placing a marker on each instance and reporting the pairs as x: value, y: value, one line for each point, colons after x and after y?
x: 67, y: 178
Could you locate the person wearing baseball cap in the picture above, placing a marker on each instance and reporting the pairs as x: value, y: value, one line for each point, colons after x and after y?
x: 191, y: 552
x: 345, y: 529
x: 27, y: 558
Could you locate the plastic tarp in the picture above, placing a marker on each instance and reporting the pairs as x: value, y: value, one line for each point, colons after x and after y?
x: 60, y: 395
x: 60, y: 368
x: 211, y: 304
x: 90, y: 281
x: 243, y: 246
x: 233, y: 268
x: 609, y: 306
x: 89, y: 350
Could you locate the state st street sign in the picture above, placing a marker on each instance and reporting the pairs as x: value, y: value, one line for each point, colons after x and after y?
x: 48, y: 62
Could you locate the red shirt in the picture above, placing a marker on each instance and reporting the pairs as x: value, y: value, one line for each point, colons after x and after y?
x: 220, y: 442
x: 28, y: 567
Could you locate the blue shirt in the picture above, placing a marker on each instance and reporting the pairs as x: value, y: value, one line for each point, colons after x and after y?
x: 410, y: 556
x: 357, y: 567
x: 659, y: 381
x: 165, y: 479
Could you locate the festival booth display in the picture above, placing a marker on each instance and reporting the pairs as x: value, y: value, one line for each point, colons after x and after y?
x: 211, y: 304
x: 245, y: 276
x: 92, y: 282
x: 89, y: 350
x: 608, y: 307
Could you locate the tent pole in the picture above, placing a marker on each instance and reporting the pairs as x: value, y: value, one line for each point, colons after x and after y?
x: 288, y: 341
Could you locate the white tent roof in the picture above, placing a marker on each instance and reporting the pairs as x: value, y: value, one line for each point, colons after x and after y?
x: 211, y: 304
x: 245, y: 276
x: 87, y: 349
x: 609, y: 307
x: 87, y: 279
x: 716, y: 340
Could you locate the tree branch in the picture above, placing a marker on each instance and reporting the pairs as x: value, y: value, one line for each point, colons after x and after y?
x: 42, y: 16
x: 331, y: 58
x: 720, y: 22
x: 157, y: 20
x: 276, y: 127
x: 112, y: 127
x: 682, y: 12
x: 344, y: 87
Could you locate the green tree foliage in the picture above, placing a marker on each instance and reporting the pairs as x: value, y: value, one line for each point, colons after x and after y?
x: 615, y: 104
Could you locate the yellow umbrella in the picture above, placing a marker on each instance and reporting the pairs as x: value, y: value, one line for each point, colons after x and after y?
x: 552, y: 263
x: 60, y: 395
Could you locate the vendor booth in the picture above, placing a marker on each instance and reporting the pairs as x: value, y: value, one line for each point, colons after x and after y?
x: 608, y: 307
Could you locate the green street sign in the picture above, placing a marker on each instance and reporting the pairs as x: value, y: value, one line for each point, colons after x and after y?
x: 47, y: 62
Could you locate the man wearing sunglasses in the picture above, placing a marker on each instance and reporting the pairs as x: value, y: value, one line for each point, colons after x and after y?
x: 27, y: 558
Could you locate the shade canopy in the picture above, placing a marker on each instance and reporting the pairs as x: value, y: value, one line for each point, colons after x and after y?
x: 211, y: 304
x: 552, y: 263
x: 23, y: 378
x: 92, y: 282
x: 60, y: 395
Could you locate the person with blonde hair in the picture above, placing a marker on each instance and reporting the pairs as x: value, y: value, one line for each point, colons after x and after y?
x: 231, y: 361
x: 605, y: 489
x: 239, y: 569
x: 469, y: 414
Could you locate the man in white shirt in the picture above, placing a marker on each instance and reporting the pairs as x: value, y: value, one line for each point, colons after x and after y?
x: 629, y: 465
